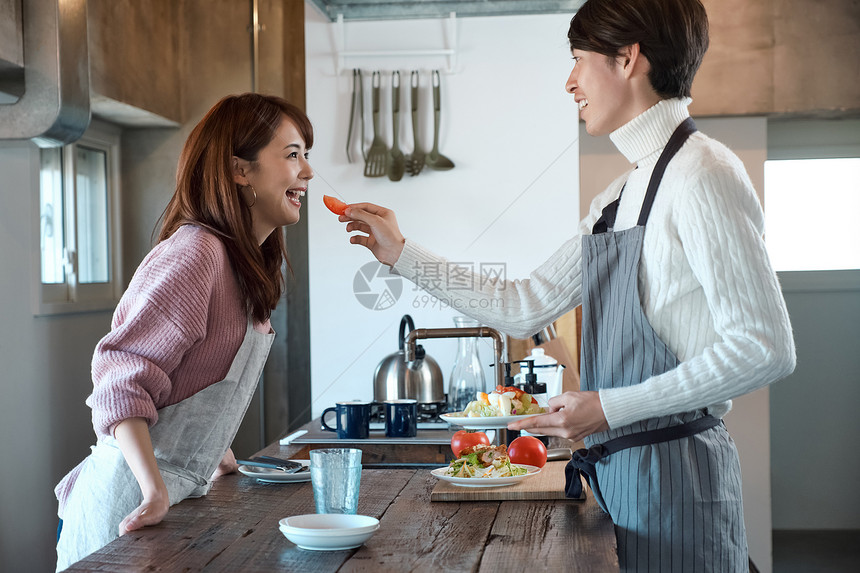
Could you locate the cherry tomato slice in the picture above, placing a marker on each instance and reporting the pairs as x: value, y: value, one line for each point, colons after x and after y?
x: 334, y: 205
x: 502, y: 389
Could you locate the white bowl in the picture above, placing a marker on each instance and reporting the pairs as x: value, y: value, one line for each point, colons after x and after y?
x: 328, y: 531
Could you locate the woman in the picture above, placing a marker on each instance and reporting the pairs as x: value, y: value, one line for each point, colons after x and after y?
x: 189, y: 339
x: 681, y: 309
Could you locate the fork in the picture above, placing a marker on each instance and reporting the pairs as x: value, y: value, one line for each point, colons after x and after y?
x: 285, y: 466
x: 281, y: 461
x: 376, y: 164
x: 396, y: 161
x: 415, y: 160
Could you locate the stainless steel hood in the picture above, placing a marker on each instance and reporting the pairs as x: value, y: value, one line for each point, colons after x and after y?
x: 392, y: 10
x: 54, y: 104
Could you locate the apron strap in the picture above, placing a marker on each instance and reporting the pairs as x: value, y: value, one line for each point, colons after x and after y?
x: 584, y: 461
x: 607, y: 218
x: 679, y: 136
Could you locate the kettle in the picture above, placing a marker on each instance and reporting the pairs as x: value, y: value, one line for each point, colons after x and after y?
x: 396, y: 379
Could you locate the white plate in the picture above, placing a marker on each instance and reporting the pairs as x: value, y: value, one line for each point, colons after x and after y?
x: 270, y: 475
x: 486, y: 482
x: 328, y: 531
x: 482, y: 422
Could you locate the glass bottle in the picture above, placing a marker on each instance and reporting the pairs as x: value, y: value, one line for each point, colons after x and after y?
x: 467, y: 376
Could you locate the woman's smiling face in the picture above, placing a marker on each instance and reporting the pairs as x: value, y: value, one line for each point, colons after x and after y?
x: 279, y: 178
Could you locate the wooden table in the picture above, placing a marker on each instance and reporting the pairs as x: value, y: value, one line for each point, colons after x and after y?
x: 235, y: 528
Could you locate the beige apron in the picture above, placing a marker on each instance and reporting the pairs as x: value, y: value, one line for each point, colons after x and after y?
x: 189, y: 440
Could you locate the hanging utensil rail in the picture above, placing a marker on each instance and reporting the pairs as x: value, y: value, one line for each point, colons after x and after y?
x: 342, y: 54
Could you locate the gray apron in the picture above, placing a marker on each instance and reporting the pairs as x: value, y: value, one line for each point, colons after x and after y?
x: 671, y: 484
x: 189, y: 439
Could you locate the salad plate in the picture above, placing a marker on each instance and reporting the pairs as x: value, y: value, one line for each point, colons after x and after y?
x: 486, y: 482
x: 271, y: 475
x: 482, y: 422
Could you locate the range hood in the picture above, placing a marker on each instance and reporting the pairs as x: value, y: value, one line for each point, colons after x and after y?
x: 53, y: 92
x: 391, y: 10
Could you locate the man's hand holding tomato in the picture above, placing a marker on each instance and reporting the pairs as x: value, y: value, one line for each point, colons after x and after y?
x: 572, y: 415
x: 382, y: 234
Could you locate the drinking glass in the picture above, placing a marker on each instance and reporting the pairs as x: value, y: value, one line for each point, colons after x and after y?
x: 335, y: 476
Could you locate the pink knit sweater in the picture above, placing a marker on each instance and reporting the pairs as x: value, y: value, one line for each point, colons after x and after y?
x: 175, y: 331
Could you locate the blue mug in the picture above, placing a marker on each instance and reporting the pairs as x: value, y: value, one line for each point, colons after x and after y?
x: 353, y: 420
x: 401, y: 418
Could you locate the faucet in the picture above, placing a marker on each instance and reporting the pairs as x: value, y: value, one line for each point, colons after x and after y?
x: 502, y: 436
x: 471, y: 332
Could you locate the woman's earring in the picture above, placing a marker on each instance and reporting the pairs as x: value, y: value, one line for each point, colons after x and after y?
x: 255, y: 196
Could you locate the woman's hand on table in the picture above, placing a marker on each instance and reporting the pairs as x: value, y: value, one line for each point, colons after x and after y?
x: 155, y: 505
x: 381, y: 232
x: 572, y: 415
x: 227, y: 465
x: 151, y: 511
x: 132, y: 435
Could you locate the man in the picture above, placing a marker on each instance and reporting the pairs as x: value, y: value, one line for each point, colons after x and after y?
x: 681, y: 309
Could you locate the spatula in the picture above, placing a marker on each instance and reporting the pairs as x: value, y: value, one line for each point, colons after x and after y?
x: 436, y: 160
x: 377, y: 155
x: 396, y: 162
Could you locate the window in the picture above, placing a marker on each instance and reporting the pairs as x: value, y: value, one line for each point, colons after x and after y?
x: 812, y: 195
x: 812, y: 213
x: 78, y: 224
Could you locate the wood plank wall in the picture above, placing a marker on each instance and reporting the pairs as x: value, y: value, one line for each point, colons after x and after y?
x: 766, y: 57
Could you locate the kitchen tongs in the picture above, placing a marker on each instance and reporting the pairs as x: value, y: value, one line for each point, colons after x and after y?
x: 286, y: 466
x: 357, y: 102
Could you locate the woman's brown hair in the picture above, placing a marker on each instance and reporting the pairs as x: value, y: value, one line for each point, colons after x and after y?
x: 206, y: 194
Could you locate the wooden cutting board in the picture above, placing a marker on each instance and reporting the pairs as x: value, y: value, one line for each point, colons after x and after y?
x: 548, y: 484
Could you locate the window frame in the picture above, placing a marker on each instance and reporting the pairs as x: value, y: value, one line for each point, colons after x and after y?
x: 71, y: 296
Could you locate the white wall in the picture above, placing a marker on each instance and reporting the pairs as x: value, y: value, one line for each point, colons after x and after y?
x: 512, y: 197
x: 749, y: 420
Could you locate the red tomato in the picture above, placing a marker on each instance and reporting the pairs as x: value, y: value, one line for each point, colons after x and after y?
x: 527, y: 450
x: 334, y: 205
x: 464, y: 438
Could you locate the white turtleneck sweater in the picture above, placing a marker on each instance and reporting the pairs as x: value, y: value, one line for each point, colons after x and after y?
x: 705, y: 279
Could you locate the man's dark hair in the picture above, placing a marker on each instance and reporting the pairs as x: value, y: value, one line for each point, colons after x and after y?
x: 672, y: 35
